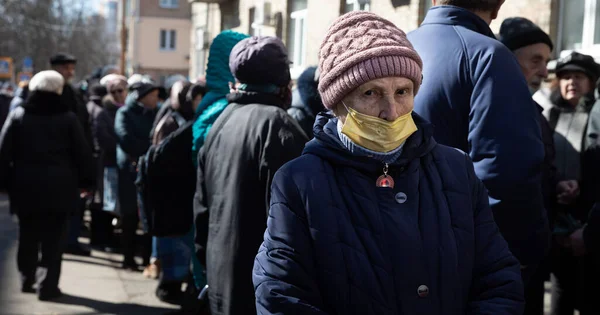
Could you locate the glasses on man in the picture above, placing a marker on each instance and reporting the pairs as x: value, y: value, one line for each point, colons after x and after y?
x: 119, y: 91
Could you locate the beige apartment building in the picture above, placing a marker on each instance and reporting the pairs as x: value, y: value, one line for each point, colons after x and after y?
x: 301, y: 24
x: 158, y: 37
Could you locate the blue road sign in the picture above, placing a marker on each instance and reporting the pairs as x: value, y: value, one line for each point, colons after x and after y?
x: 27, y: 62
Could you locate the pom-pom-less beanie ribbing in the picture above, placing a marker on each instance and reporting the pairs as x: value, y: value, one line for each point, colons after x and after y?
x: 360, y: 47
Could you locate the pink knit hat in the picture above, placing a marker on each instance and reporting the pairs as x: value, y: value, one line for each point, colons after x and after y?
x: 360, y: 47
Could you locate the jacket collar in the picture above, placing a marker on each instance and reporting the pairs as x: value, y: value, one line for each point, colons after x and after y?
x: 328, y: 145
x: 255, y: 98
x: 451, y: 15
x: 45, y: 104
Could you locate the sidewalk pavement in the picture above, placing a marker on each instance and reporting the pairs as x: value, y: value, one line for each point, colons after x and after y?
x: 92, y: 285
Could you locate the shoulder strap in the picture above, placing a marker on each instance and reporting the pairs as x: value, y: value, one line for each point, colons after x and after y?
x: 216, y: 127
x: 178, y: 118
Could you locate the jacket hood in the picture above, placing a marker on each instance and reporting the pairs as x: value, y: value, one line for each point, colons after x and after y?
x: 308, y: 91
x: 45, y: 104
x: 328, y: 146
x: 218, y: 74
x: 451, y: 15
x: 255, y: 98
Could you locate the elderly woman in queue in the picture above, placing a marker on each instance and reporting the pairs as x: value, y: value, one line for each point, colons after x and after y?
x: 375, y: 217
x: 44, y: 161
x: 570, y: 110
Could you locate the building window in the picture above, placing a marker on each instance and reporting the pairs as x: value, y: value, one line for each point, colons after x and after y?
x: 168, y: 38
x: 169, y: 4
x: 357, y: 5
x: 297, y: 39
x: 580, y: 25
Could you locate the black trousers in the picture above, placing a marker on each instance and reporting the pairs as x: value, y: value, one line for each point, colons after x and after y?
x: 45, y: 231
x: 130, y: 240
x: 535, y: 289
x: 575, y: 284
x: 102, y: 229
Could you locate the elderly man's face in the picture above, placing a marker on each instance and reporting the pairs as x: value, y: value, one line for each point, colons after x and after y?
x: 66, y: 70
x: 386, y: 98
x: 533, y: 60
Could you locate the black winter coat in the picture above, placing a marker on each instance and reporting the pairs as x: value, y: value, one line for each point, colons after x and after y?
x: 76, y: 104
x: 44, y: 157
x: 235, y: 170
x: 104, y: 130
x: 5, y: 101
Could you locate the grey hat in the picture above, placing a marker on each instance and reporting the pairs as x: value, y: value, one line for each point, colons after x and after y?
x: 260, y: 60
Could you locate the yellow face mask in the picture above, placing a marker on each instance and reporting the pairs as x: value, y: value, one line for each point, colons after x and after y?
x: 378, y: 134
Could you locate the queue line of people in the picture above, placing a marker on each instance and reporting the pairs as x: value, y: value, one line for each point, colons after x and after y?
x: 418, y: 193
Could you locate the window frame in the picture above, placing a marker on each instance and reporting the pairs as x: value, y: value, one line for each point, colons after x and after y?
x: 169, y: 4
x: 589, y: 29
x: 299, y: 53
x: 356, y: 5
x: 170, y: 38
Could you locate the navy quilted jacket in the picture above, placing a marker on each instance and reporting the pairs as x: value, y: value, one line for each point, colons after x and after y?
x: 337, y: 244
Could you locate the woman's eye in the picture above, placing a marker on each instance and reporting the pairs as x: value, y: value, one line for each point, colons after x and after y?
x: 402, y: 92
x: 369, y: 93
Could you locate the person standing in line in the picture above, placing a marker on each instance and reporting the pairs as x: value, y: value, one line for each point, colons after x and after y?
x: 246, y: 145
x: 575, y: 120
x: 473, y: 92
x: 533, y: 48
x: 306, y: 101
x: 104, y: 133
x: 65, y: 64
x: 375, y: 217
x: 133, y: 124
x: 44, y: 161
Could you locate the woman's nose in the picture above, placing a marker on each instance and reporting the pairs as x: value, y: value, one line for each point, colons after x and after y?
x: 390, y: 108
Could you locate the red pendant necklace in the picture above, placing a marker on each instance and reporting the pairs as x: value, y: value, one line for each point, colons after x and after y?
x: 385, y: 180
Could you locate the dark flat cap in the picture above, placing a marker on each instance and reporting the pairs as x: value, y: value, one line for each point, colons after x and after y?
x: 62, y: 58
x: 143, y: 89
x: 260, y: 60
x: 519, y: 32
x: 579, y: 63
x: 97, y: 91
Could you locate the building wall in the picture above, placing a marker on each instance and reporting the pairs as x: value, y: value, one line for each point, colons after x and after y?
x: 149, y: 54
x: 321, y: 13
x: 152, y: 8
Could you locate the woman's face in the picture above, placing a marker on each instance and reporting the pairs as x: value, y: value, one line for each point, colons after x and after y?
x: 386, y: 98
x: 574, y: 85
x: 196, y: 102
x: 119, y: 93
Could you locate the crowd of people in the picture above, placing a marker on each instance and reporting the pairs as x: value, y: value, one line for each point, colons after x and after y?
x: 428, y: 173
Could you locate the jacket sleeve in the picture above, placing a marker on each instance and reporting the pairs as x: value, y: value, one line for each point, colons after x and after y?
x: 105, y: 131
x: 284, y: 142
x: 507, y: 151
x: 6, y: 150
x: 201, y: 214
x: 497, y: 287
x: 82, y: 155
x: 284, y: 273
x: 126, y: 138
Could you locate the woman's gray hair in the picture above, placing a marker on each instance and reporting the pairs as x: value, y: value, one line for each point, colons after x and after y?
x: 47, y: 81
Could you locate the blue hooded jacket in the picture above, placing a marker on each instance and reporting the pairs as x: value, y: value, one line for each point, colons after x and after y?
x: 475, y: 95
x: 337, y: 244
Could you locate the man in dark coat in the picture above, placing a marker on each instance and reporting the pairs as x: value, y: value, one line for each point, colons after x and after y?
x: 133, y: 124
x: 65, y: 65
x: 247, y: 144
x: 44, y: 161
x: 306, y: 101
x: 474, y: 93
x: 6, y: 97
x: 533, y: 48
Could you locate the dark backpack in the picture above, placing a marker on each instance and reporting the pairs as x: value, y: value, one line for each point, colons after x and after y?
x: 167, y: 184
